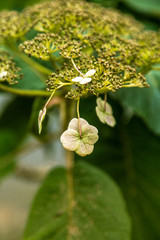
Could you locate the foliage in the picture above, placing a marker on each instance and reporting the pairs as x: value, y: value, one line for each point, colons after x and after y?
x: 81, y: 214
x: 132, y: 159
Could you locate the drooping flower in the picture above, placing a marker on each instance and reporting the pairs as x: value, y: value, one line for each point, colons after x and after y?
x: 105, y: 113
x: 41, y: 117
x: 82, y: 144
x: 85, y: 78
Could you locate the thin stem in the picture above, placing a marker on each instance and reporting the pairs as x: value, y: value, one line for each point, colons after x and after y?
x: 28, y: 93
x: 22, y: 92
x: 70, y: 180
x: 105, y: 100
x: 67, y: 113
x: 42, y: 112
x: 77, y: 68
x: 78, y: 115
x: 49, y: 98
x: 64, y: 84
x: 156, y: 68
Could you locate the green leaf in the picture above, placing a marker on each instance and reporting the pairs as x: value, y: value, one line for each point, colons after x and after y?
x: 16, y: 4
x: 150, y: 7
x: 90, y: 208
x: 131, y: 154
x: 31, y: 78
x: 144, y: 101
x: 13, y: 127
x: 105, y: 3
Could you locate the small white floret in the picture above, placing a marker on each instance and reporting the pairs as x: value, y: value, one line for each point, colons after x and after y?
x: 77, y: 79
x: 3, y: 74
x: 86, y: 78
x: 90, y: 73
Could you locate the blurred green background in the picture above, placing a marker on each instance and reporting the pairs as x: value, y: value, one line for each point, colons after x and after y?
x: 133, y: 152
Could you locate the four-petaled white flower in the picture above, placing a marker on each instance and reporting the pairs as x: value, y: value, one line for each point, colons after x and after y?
x: 82, y: 144
x: 85, y: 78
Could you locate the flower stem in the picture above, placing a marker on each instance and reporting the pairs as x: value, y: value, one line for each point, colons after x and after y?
x: 49, y: 98
x: 77, y: 68
x: 78, y: 115
x: 105, y: 101
x: 70, y: 180
x: 156, y: 68
x: 22, y: 92
x: 67, y: 111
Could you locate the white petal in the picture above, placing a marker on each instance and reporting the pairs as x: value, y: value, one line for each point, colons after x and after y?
x: 90, y: 134
x: 70, y: 140
x: 90, y: 73
x: 77, y: 79
x: 85, y: 80
x: 3, y: 74
x: 110, y: 120
x: 84, y: 149
x: 74, y: 124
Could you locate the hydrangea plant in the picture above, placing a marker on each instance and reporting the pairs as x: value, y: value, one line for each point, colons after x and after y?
x: 80, y: 49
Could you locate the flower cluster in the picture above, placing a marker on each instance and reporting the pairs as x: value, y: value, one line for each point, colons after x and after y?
x: 95, y: 38
x: 8, y: 70
x: 13, y: 25
x: 91, y: 50
x: 42, y: 46
x: 86, y: 78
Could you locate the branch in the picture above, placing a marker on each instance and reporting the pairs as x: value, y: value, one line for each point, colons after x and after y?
x: 22, y: 92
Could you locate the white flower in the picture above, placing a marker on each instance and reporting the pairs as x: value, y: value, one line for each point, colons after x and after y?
x: 105, y: 113
x: 3, y: 74
x: 82, y: 144
x: 86, y: 78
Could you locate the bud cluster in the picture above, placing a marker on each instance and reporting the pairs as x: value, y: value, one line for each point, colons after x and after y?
x: 42, y: 46
x: 110, y: 75
x: 13, y: 25
x: 115, y: 45
x: 8, y: 70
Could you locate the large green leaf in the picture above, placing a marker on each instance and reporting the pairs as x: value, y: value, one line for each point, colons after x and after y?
x: 90, y: 208
x: 31, y: 78
x: 16, y: 4
x: 150, y: 7
x: 144, y: 102
x: 131, y: 154
x: 105, y: 3
x: 13, y: 127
